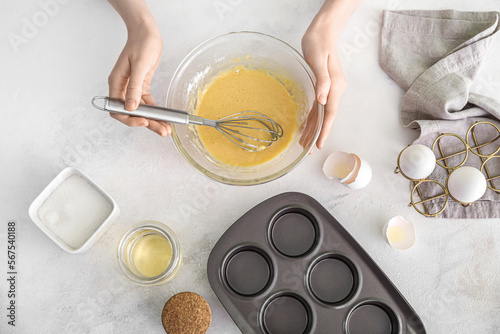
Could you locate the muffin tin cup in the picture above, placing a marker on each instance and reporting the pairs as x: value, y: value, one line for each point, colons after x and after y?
x: 372, y: 316
x: 333, y: 279
x: 247, y: 271
x: 286, y: 313
x: 287, y: 266
x: 293, y: 232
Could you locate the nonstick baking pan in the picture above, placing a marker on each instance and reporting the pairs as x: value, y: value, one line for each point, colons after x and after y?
x: 287, y: 266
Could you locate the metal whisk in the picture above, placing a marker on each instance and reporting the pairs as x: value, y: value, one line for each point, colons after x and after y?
x: 250, y: 130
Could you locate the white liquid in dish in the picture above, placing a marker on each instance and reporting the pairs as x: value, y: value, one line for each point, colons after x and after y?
x: 74, y: 210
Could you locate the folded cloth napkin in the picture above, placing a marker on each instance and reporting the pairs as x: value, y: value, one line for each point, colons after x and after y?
x: 435, y: 56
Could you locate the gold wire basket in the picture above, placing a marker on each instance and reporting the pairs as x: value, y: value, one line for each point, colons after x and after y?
x: 474, y: 147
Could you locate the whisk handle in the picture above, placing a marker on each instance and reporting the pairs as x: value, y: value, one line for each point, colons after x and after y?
x: 143, y: 110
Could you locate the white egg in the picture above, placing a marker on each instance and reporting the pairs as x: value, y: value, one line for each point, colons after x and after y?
x: 417, y: 162
x: 400, y: 233
x: 466, y: 184
x: 352, y: 170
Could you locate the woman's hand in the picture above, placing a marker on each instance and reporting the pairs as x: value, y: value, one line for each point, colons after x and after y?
x: 319, y: 46
x: 321, y: 54
x: 130, y: 79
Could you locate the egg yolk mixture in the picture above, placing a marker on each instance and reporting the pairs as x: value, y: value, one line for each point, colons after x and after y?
x: 242, y: 89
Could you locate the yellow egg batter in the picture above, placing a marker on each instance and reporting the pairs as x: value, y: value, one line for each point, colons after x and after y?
x: 242, y: 89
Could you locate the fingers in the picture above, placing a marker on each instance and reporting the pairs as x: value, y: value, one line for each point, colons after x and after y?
x: 311, y: 124
x: 117, y: 82
x: 118, y: 79
x: 322, y: 89
x: 130, y: 90
x: 134, y: 88
x: 319, y: 66
x: 330, y: 115
x: 317, y: 58
x: 131, y: 77
x: 338, y: 87
x: 130, y: 120
x: 149, y: 99
x: 160, y: 127
x: 330, y: 85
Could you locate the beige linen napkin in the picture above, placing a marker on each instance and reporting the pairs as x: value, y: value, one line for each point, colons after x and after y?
x: 435, y: 56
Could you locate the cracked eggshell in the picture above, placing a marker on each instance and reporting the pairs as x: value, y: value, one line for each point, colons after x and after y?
x: 352, y: 170
x: 400, y: 233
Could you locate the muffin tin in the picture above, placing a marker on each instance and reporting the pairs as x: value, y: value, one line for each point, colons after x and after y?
x: 287, y: 266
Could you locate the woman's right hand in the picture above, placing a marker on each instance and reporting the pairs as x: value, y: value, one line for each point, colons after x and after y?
x: 130, y: 79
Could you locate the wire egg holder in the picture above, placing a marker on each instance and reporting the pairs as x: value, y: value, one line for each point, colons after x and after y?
x: 475, y: 149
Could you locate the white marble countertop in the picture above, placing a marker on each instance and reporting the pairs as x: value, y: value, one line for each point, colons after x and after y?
x: 450, y: 277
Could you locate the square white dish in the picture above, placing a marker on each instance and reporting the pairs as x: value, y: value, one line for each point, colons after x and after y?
x: 55, y: 219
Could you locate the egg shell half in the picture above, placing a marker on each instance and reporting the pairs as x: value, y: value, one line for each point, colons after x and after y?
x: 352, y: 170
x: 400, y: 233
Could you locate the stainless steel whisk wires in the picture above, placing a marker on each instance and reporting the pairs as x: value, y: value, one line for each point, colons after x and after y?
x: 250, y: 130
x: 230, y: 126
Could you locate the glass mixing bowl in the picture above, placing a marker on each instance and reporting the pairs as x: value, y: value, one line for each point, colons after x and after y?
x: 253, y: 51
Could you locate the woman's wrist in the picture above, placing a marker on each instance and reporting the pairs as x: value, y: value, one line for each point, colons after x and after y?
x: 143, y: 23
x: 136, y: 15
x: 141, y: 30
x: 332, y: 17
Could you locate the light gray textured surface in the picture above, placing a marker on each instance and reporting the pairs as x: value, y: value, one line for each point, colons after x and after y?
x: 450, y: 277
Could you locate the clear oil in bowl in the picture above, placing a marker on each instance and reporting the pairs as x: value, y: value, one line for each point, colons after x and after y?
x: 149, y: 253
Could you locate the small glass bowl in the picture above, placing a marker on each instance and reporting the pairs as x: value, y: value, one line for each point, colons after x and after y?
x: 130, y: 240
x: 250, y: 50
